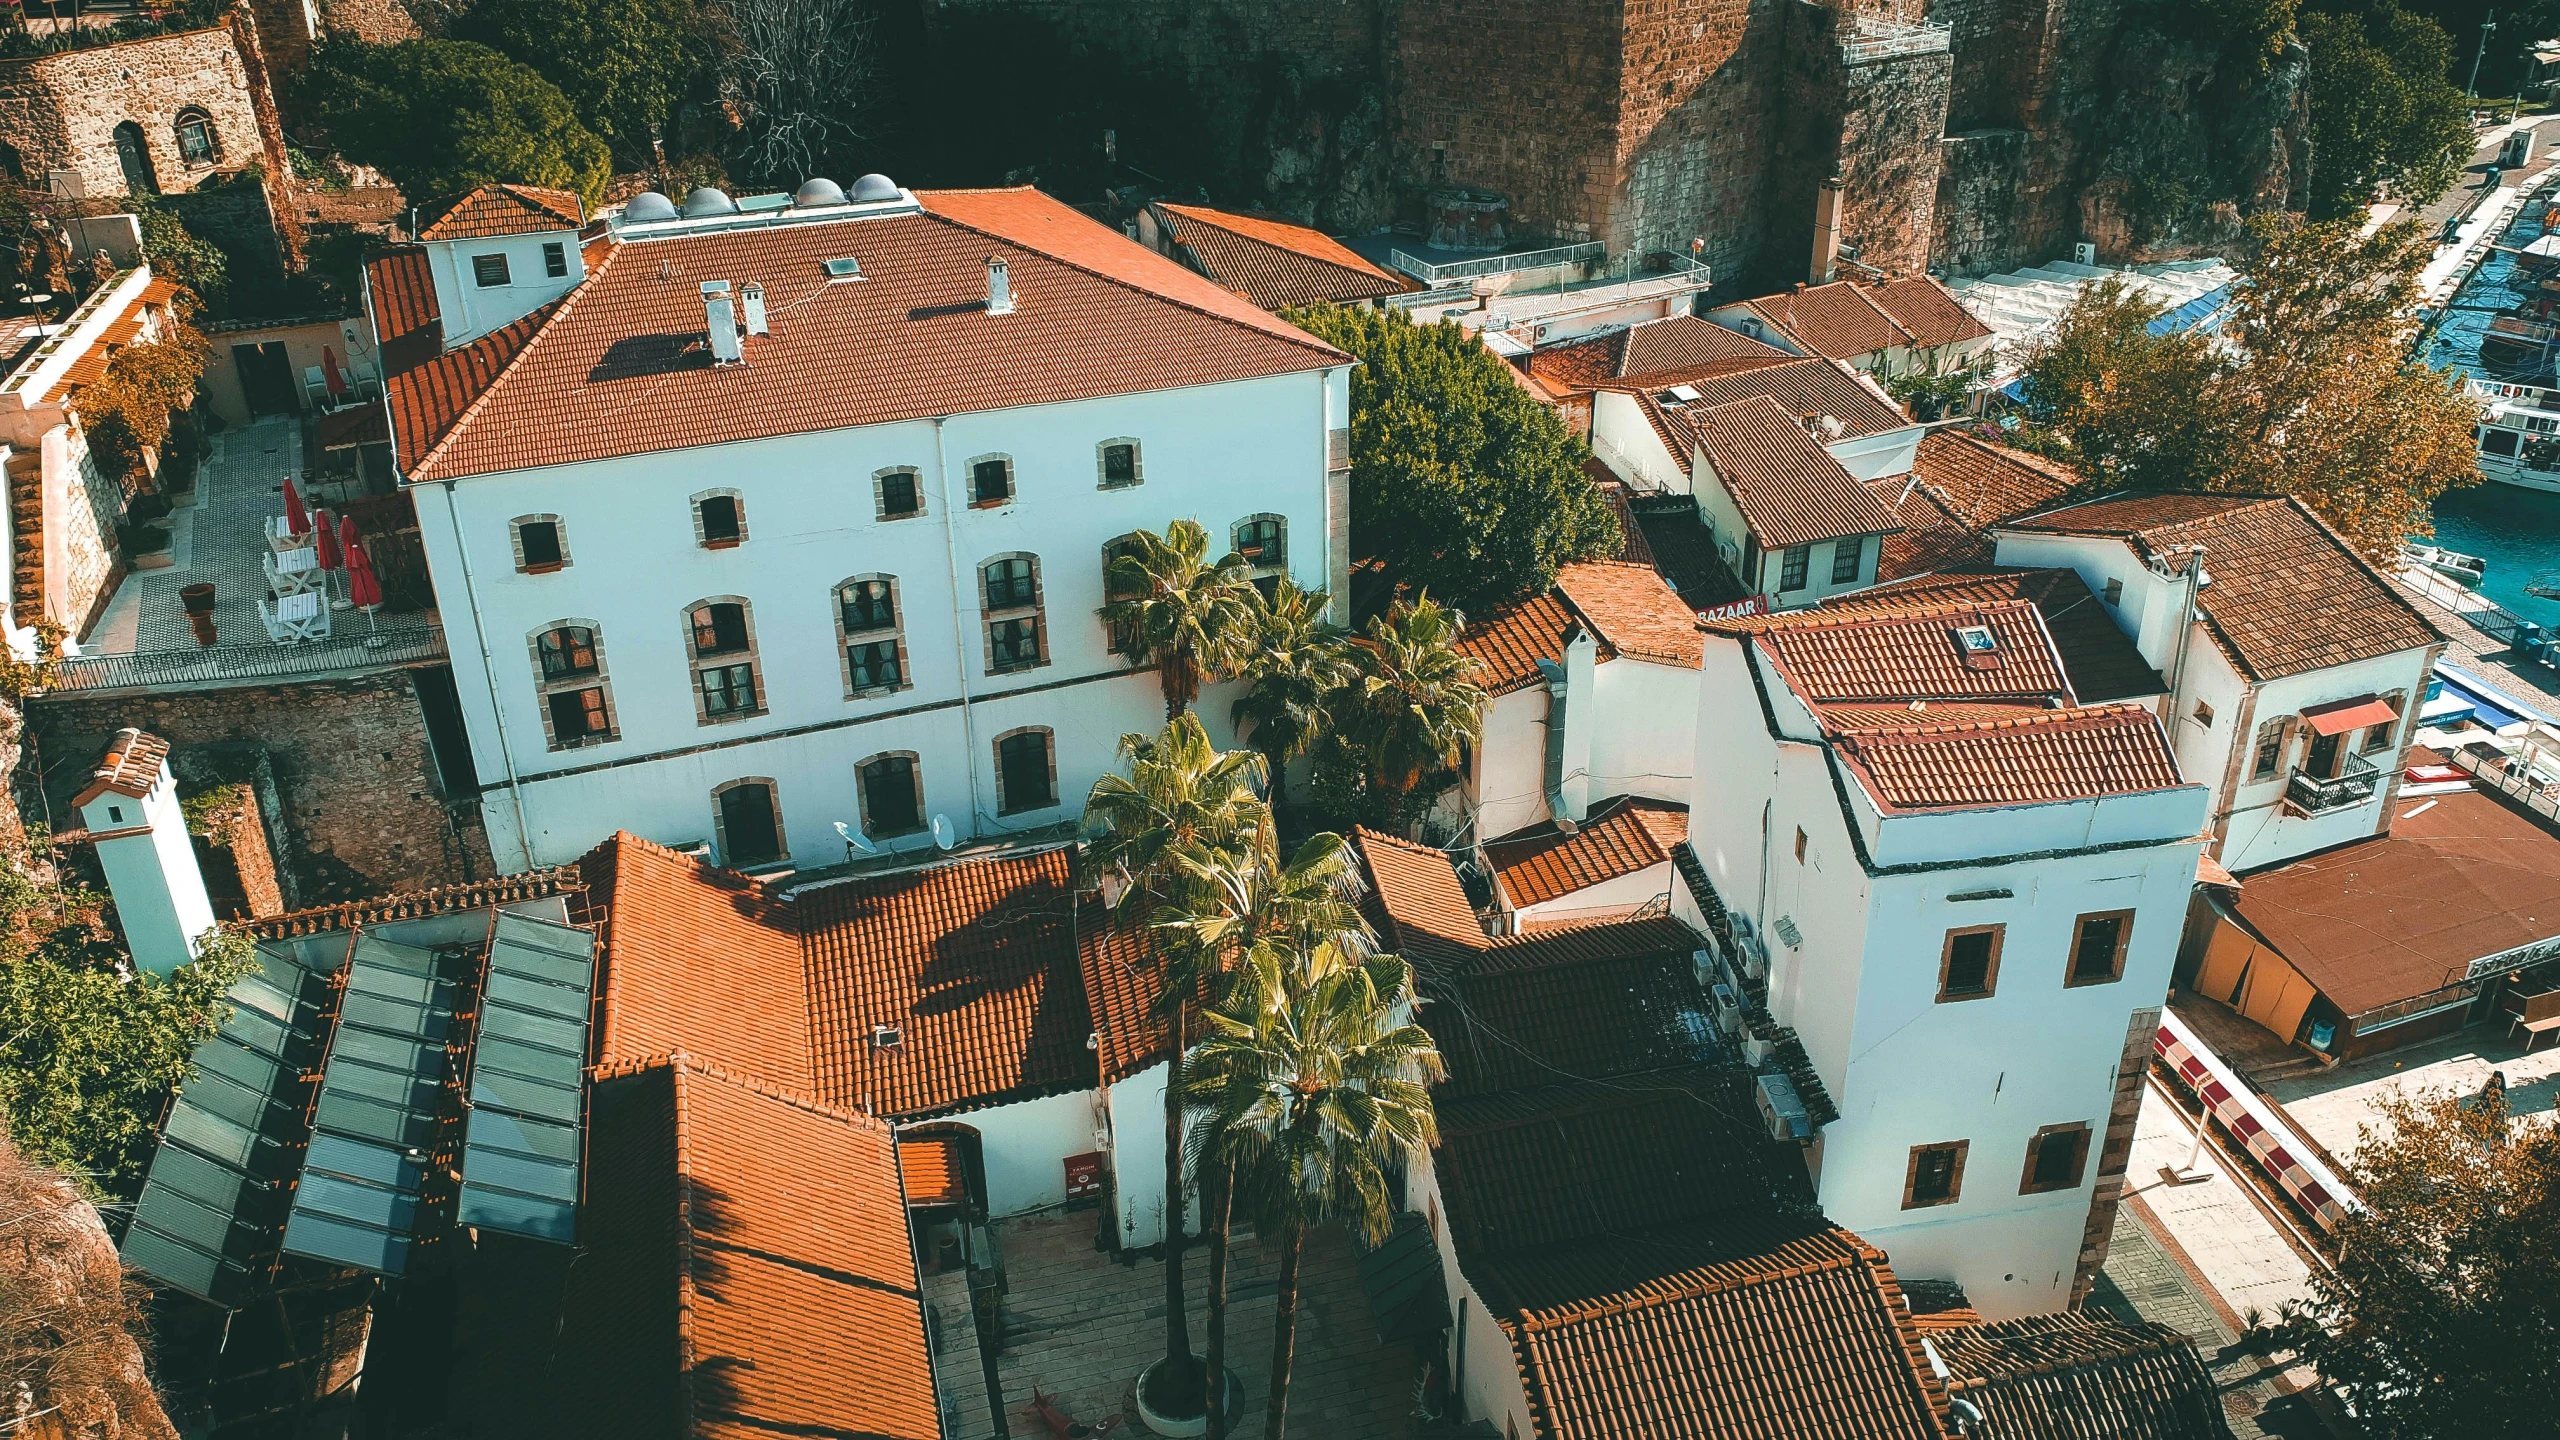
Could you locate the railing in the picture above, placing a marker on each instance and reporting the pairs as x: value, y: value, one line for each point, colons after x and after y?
x: 2511, y: 780
x: 1876, y: 39
x: 1430, y: 274
x: 233, y: 664
x: 2352, y: 786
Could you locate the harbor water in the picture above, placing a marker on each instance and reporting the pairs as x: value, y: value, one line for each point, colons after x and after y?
x: 2517, y: 531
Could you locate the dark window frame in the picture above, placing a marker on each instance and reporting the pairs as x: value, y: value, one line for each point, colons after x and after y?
x: 1848, y: 554
x: 1991, y: 965
x: 484, y: 266
x: 1007, y: 802
x: 1795, y: 564
x: 864, y: 779
x: 1955, y: 1151
x: 2072, y: 974
x: 904, y: 478
x: 555, y: 260
x: 2071, y: 1142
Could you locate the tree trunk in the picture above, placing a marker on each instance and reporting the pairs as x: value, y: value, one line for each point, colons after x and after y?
x: 1177, y: 1324
x: 1284, y: 1331
x: 1220, y: 1215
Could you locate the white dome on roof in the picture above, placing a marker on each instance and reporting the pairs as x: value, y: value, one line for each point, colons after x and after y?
x: 706, y: 200
x: 648, y: 205
x: 818, y: 190
x: 875, y: 187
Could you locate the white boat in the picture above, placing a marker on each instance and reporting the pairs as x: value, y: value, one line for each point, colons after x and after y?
x: 2518, y: 433
x: 2451, y: 564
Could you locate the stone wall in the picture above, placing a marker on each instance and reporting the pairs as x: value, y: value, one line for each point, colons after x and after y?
x: 1697, y: 123
x: 1516, y: 96
x: 361, y: 814
x: 61, y: 112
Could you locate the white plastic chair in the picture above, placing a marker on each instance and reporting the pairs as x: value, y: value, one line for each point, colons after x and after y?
x: 295, y: 619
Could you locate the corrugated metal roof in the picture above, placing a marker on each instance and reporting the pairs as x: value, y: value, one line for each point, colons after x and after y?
x: 358, y: 1199
x: 520, y: 1155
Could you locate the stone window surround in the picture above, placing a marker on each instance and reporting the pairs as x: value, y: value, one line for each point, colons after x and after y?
x: 515, y: 543
x: 1111, y: 550
x: 2267, y: 763
x: 2076, y: 1134
x: 862, y: 793
x: 1012, y: 481
x: 696, y: 662
x: 701, y: 536
x: 895, y: 633
x: 1262, y: 564
x: 1955, y: 1177
x: 1004, y: 803
x: 544, y: 688
x: 1990, y: 973
x: 991, y: 615
x: 1102, y: 463
x: 720, y: 825
x: 879, y: 492
x: 197, y: 115
x: 2378, y: 738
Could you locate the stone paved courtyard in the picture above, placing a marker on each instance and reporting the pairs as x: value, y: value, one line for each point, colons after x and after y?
x: 1079, y: 1325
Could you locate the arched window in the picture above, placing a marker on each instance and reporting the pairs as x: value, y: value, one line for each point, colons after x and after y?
x: 990, y: 481
x: 892, y: 797
x: 1263, y: 541
x: 133, y: 153
x: 12, y: 164
x: 197, y: 143
x: 541, y: 545
x: 569, y: 675
x: 746, y: 818
x: 1119, y: 462
x: 1026, y: 770
x: 870, y: 636
x: 1016, y: 637
x: 1123, y: 637
x: 719, y: 519
x: 720, y: 636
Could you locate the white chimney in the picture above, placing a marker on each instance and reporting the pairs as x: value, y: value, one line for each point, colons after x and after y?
x: 130, y: 809
x: 720, y: 317
x: 1826, y: 232
x: 751, y: 302
x: 1581, y: 717
x: 999, y: 286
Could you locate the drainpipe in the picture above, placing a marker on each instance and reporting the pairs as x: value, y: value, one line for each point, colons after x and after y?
x: 959, y: 624
x: 489, y: 674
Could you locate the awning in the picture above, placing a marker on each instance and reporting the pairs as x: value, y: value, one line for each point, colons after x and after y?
x: 2340, y: 716
x: 2209, y: 871
x: 930, y: 1166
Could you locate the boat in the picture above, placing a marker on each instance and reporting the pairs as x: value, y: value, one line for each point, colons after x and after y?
x: 2518, y: 434
x: 2514, y: 342
x: 2452, y: 564
x: 2545, y: 586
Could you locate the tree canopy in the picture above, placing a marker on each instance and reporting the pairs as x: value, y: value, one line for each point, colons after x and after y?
x: 1461, y: 482
x: 625, y: 65
x: 441, y: 116
x: 2313, y: 395
x: 2383, y: 111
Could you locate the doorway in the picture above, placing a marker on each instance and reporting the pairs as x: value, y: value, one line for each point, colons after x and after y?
x: 2322, y: 762
x: 266, y: 379
x: 750, y: 830
x: 134, y: 154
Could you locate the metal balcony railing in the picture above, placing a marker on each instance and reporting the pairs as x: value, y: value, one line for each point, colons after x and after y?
x: 1585, y: 253
x: 2353, y: 785
x: 1874, y: 38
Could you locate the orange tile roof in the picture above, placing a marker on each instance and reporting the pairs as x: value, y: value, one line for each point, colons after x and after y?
x: 487, y: 894
x: 1275, y: 262
x: 1652, y: 349
x: 1096, y: 315
x: 738, y: 1247
x: 2099, y: 659
x: 1788, y: 488
x: 695, y: 959
x: 1926, y: 311
x: 1589, y: 1001
x: 932, y: 1171
x: 1933, y: 537
x: 1809, y: 387
x: 1981, y: 483
x: 1838, y: 320
x: 1680, y: 548
x: 130, y: 767
x: 1428, y: 917
x: 1509, y: 640
x: 973, y: 963
x: 429, y: 389
x: 1120, y: 983
x: 2288, y: 594
x: 2055, y: 755
x: 1908, y: 653
x: 1633, y: 611
x: 2082, y: 1372
x: 1622, y: 836
x: 506, y: 210
x: 81, y: 373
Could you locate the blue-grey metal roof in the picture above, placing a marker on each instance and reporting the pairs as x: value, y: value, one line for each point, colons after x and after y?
x: 520, y: 1155
x: 357, y: 1202
x: 207, y: 1217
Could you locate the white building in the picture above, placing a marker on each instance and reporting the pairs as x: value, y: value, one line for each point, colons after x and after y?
x: 1964, y: 889
x: 2291, y: 686
x: 782, y: 512
x: 130, y: 810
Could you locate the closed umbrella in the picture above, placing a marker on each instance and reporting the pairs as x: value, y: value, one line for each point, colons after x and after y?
x: 329, y: 370
x: 324, y: 539
x: 363, y: 588
x: 293, y: 510
x: 347, y: 549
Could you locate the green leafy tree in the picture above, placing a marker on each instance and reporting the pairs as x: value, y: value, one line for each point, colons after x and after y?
x: 441, y: 116
x: 2383, y: 112
x: 1170, y: 606
x: 2440, y: 1317
x: 127, y: 411
x: 176, y: 253
x: 1413, y: 706
x: 625, y: 65
x: 1461, y: 482
x: 1294, y: 660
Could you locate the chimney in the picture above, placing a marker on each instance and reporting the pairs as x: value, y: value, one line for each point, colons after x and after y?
x: 130, y: 808
x: 1581, y: 718
x: 751, y: 300
x: 720, y: 317
x: 999, y: 286
x: 1826, y: 231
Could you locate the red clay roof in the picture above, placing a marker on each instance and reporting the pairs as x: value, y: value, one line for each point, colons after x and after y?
x: 974, y: 964
x: 1275, y: 262
x: 698, y: 960
x: 443, y: 900
x: 1633, y: 611
x: 1510, y: 639
x: 1801, y: 387
x: 1933, y: 537
x: 2100, y: 659
x: 2403, y: 914
x: 2051, y: 756
x: 1592, y: 1001
x: 1428, y: 917
x: 506, y: 210
x: 1927, y: 311
x: 2288, y: 594
x: 1982, y: 483
x: 739, y: 1246
x: 2081, y: 1372
x: 1678, y: 344
x: 130, y: 767
x: 427, y: 387
x: 620, y: 366
x: 932, y: 1171
x: 1121, y: 983
x: 1788, y: 488
x: 1908, y: 652
x: 1622, y: 836
x: 1838, y: 320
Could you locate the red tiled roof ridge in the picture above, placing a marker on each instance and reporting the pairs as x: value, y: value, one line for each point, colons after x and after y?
x: 411, y: 904
x: 1546, y: 936
x: 1703, y: 1280
x: 1216, y: 220
x: 1279, y: 329
x: 521, y: 333
x: 710, y: 1069
x: 2048, y: 719
x: 542, y: 321
x: 535, y: 199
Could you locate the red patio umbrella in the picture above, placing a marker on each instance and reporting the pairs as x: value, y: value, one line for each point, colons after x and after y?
x: 362, y: 587
x: 293, y: 510
x: 327, y: 538
x: 329, y: 369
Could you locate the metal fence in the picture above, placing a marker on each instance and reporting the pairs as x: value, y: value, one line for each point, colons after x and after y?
x: 234, y: 664
x: 1430, y: 274
x: 2496, y: 773
x: 1874, y: 39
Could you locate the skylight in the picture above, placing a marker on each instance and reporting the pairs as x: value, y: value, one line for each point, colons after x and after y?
x: 844, y: 267
x: 1685, y: 394
x: 1977, y: 639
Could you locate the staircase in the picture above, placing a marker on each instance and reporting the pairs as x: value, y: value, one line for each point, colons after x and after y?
x: 24, y: 471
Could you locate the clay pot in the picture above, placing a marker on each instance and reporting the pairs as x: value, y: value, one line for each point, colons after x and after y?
x: 198, y: 598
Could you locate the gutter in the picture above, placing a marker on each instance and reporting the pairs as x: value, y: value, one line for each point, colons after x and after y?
x: 959, y: 626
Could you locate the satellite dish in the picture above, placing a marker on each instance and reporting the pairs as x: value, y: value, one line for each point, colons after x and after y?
x: 943, y: 834
x: 855, y: 842
x: 649, y: 206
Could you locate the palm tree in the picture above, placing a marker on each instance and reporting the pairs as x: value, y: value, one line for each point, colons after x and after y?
x: 1169, y: 606
x: 1183, y: 797
x: 1414, y: 706
x: 1295, y: 659
x: 1314, y: 1089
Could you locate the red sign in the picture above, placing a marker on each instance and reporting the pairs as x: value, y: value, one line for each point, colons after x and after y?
x: 1756, y: 605
x: 1084, y: 1174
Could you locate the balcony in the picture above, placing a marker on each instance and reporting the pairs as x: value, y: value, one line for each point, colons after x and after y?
x: 2352, y: 786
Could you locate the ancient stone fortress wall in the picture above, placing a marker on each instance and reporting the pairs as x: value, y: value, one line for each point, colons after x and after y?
x: 62, y: 112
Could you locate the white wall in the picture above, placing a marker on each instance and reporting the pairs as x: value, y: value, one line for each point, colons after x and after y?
x: 1887, y: 452
x: 151, y: 868
x: 2259, y: 831
x: 1818, y: 584
x: 1628, y: 444
x: 1507, y: 786
x: 1217, y: 454
x: 471, y: 310
x: 1645, y: 736
x: 1025, y: 1146
x: 1485, y: 1374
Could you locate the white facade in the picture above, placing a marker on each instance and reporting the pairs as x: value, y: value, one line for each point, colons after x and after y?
x: 521, y: 267
x: 1794, y: 844
x: 1024, y: 1147
x: 151, y: 868
x: 1642, y: 719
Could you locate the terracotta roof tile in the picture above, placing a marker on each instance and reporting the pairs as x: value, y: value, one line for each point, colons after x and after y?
x: 2099, y: 659
x: 1621, y: 837
x: 2082, y: 1372
x: 973, y: 963
x: 412, y: 904
x: 80, y: 373
x: 1428, y: 917
x: 1788, y: 488
x: 1839, y: 320
x: 1509, y: 640
x: 1679, y: 344
x: 2035, y: 759
x: 1909, y: 652
x: 1933, y: 536
x: 427, y: 388
x: 1633, y: 611
x: 1618, y: 999
x: 1121, y: 984
x: 1898, y: 714
x: 1982, y: 484
x: 696, y: 959
x: 1927, y: 311
x: 1682, y: 550
x: 932, y: 1171
x: 505, y: 210
x: 1275, y: 262
x: 1801, y: 387
x: 2288, y: 595
x: 130, y: 766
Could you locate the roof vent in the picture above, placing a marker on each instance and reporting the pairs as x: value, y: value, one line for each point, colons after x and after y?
x: 886, y: 1037
x: 843, y: 267
x: 720, y: 320
x: 999, y: 286
x: 648, y: 207
x: 1685, y: 394
x: 705, y: 201
x: 874, y: 187
x: 818, y: 190
x: 751, y: 307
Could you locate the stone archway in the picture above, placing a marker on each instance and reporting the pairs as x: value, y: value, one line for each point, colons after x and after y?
x: 133, y: 152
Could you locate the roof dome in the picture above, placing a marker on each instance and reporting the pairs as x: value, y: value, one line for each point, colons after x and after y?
x: 875, y: 187
x: 707, y: 201
x: 649, y: 205
x: 818, y: 190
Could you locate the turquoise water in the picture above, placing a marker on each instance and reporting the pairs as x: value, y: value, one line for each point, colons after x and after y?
x: 2516, y: 531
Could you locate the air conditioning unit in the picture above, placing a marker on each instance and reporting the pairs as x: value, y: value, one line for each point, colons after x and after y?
x: 1756, y: 1051
x: 1781, y: 1111
x: 2085, y: 253
x: 1702, y: 964
x: 1727, y: 1008
x: 1755, y: 958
